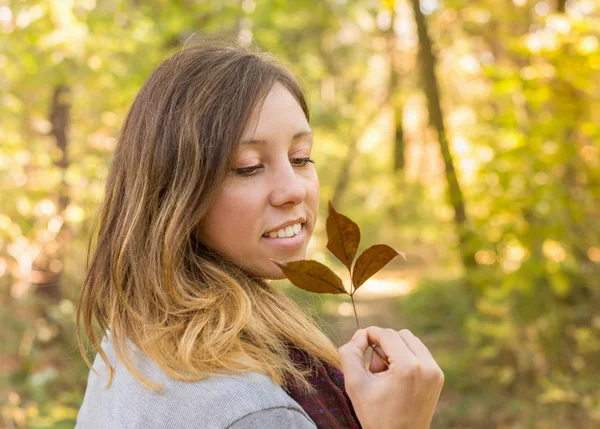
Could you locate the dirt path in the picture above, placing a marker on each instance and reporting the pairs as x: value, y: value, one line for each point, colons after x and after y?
x: 340, y: 322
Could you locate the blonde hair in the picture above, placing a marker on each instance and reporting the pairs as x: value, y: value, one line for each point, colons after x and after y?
x: 150, y: 281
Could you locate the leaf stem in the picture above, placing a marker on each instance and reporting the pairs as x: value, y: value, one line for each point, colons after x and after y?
x: 377, y: 349
x: 354, y: 307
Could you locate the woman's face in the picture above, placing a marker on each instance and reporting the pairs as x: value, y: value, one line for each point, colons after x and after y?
x: 268, y: 206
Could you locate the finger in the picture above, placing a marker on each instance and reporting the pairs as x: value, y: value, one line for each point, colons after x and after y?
x: 392, y: 344
x: 416, y: 346
x: 377, y: 363
x: 352, y: 354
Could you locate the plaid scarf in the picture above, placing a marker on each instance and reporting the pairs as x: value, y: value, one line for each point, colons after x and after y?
x: 330, y: 406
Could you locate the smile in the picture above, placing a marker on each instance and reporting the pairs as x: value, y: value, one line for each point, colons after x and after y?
x: 288, y: 231
x: 296, y: 239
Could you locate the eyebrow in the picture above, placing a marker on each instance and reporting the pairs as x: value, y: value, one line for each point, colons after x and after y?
x: 294, y: 137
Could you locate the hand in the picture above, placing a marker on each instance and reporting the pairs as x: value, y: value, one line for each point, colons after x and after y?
x: 401, y: 396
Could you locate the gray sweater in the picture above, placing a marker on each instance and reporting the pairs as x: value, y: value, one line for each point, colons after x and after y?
x: 250, y: 400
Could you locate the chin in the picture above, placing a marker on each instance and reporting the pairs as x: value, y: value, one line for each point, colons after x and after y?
x: 271, y: 274
x: 272, y: 271
x: 266, y: 273
x: 278, y: 276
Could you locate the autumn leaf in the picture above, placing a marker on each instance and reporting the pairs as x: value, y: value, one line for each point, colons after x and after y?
x: 343, y: 237
x: 371, y: 261
x: 312, y: 276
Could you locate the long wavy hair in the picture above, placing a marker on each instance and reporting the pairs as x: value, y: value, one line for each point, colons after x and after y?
x: 150, y: 281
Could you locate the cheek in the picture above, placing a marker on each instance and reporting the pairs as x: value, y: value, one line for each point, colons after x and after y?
x: 235, y: 211
x: 313, y: 189
x: 225, y: 228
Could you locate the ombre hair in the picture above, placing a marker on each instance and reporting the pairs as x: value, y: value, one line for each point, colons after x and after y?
x: 150, y: 282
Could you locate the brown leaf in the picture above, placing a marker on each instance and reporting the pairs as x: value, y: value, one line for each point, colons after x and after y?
x: 343, y: 237
x: 371, y: 261
x: 312, y: 276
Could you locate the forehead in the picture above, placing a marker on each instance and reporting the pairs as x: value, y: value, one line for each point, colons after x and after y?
x: 280, y: 113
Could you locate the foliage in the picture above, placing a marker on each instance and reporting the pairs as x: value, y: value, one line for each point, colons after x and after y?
x: 343, y: 238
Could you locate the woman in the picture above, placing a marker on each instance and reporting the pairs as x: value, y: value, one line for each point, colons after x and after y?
x: 211, y: 179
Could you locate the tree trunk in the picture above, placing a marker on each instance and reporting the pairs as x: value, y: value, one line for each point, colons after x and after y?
x: 395, y: 98
x: 47, y: 276
x: 436, y: 119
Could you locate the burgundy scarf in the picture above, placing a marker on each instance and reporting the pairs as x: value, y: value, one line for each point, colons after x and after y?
x: 330, y: 406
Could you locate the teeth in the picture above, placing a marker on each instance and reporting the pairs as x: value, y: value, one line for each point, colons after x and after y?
x: 286, y: 232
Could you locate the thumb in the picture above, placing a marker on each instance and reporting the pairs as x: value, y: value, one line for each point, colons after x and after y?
x: 352, y: 356
x: 377, y: 363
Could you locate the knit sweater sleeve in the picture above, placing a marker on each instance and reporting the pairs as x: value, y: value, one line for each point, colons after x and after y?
x: 274, y: 418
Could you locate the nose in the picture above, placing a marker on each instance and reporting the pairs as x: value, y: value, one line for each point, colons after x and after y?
x: 288, y: 188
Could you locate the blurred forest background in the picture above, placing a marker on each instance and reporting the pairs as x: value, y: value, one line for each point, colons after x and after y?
x: 465, y: 133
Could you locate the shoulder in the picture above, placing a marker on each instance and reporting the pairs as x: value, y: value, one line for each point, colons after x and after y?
x: 215, y: 402
x: 274, y: 418
x: 247, y: 400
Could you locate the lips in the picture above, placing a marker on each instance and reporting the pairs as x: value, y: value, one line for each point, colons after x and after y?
x: 287, y: 243
x: 288, y: 231
x: 284, y: 225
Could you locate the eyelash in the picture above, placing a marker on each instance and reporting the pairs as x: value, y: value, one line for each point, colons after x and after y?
x: 250, y: 171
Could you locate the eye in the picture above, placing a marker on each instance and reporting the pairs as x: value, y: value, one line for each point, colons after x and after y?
x: 301, y: 162
x: 248, y: 171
